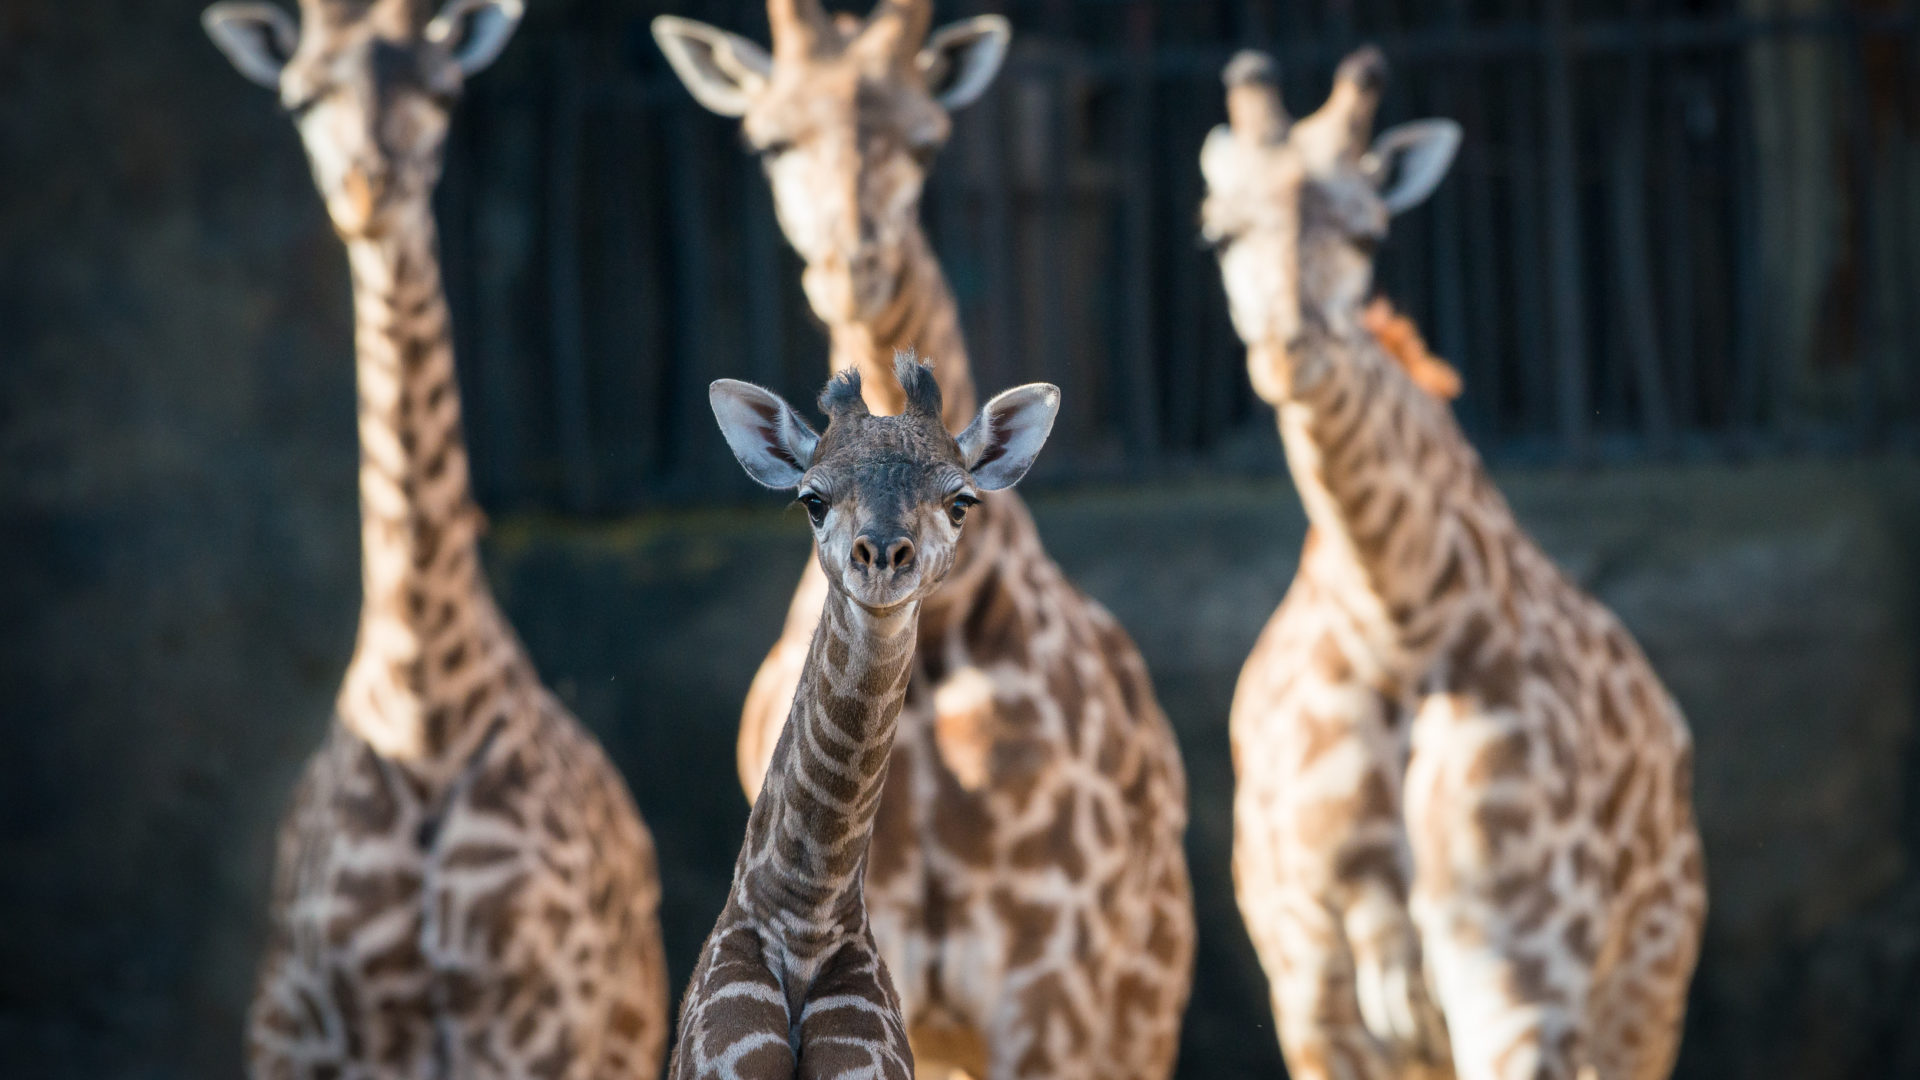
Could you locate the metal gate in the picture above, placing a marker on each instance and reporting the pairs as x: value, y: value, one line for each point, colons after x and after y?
x: 1675, y: 229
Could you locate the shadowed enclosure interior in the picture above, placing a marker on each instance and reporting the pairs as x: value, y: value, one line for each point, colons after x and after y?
x: 1674, y: 232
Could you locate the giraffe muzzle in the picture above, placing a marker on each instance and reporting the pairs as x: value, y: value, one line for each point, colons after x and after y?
x: 883, y: 568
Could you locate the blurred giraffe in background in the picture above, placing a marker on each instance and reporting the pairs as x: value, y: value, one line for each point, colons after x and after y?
x: 1027, y: 885
x: 463, y: 886
x: 1464, y: 837
x: 790, y: 983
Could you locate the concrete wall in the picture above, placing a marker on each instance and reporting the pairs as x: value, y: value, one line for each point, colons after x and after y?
x: 166, y: 671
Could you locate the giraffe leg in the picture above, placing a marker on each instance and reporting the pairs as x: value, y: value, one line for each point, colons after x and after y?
x: 1388, y: 978
x: 1507, y: 932
x: 1315, y: 1006
x: 1508, y: 1022
x: 850, y: 1024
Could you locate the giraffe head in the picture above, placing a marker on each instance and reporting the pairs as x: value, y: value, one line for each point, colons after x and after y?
x: 1295, y: 208
x: 846, y: 114
x: 370, y: 85
x: 887, y: 495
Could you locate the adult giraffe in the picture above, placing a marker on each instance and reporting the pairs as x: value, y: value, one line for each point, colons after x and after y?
x: 1463, y: 797
x: 463, y: 886
x: 1027, y: 886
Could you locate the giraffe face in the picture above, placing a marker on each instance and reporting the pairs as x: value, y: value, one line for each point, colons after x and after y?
x: 846, y: 116
x: 371, y: 89
x: 1295, y: 209
x: 887, y: 495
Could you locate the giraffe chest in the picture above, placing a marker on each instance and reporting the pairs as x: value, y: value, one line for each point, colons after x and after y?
x: 406, y: 910
x: 1034, y: 802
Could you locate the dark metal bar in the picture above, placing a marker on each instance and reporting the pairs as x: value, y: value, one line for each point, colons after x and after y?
x: 1868, y: 333
x: 1633, y: 270
x: 631, y: 298
x: 1744, y: 334
x: 1446, y: 260
x: 572, y: 424
x: 1679, y: 234
x: 691, y: 242
x: 1567, y: 289
x: 765, y: 287
x: 500, y: 165
x: 1184, y: 354
x: 1137, y: 325
x: 1480, y: 363
x: 996, y: 357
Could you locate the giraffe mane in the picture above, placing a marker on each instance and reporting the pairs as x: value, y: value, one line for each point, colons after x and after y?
x: 1401, y: 339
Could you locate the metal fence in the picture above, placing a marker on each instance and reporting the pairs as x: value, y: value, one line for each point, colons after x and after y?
x: 1674, y: 229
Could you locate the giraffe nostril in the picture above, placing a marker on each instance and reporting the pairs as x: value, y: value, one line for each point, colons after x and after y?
x: 900, y: 554
x: 863, y: 552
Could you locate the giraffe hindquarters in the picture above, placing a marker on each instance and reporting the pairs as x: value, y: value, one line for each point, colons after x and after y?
x: 850, y: 1024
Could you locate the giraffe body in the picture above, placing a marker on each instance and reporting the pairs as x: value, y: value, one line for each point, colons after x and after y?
x: 1027, y: 885
x: 792, y: 980
x: 463, y: 886
x: 1464, y: 839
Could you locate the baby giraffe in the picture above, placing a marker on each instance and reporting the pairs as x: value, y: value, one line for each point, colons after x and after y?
x: 791, y: 983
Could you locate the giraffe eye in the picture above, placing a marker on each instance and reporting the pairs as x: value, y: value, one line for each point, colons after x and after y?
x: 816, y: 506
x: 770, y: 150
x: 957, y: 509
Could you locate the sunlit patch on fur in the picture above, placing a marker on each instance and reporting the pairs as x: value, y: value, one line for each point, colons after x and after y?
x: 963, y: 725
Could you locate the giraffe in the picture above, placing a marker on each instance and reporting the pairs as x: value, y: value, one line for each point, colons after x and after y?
x: 1028, y: 883
x: 791, y: 982
x: 1463, y: 833
x: 1028, y: 887
x: 463, y: 885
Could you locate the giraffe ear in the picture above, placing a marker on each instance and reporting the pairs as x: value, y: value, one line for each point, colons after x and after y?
x: 773, y: 444
x: 723, y: 71
x: 961, y: 60
x: 1409, y: 160
x: 259, y: 39
x: 1001, y: 443
x: 475, y: 30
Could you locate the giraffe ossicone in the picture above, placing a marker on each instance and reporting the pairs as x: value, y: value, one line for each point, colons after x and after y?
x: 1028, y: 884
x: 1463, y: 830
x: 791, y: 981
x: 463, y: 886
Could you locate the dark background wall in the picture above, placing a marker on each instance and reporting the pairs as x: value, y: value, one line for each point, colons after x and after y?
x: 178, y: 564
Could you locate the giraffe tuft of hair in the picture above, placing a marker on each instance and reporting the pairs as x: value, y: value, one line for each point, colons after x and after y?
x: 916, y: 378
x: 841, y: 395
x: 1251, y: 67
x: 1401, y: 339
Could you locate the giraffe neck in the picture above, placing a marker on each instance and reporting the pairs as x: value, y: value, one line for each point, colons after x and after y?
x: 431, y: 647
x: 922, y: 317
x: 801, y: 869
x: 1401, y: 509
